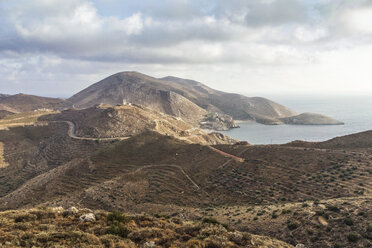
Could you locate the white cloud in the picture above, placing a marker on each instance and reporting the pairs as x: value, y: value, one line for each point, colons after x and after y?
x: 359, y: 19
x: 260, y: 45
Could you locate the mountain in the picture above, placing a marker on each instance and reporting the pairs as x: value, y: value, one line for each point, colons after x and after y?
x: 23, y: 103
x: 3, y: 96
x: 192, y: 101
x: 310, y: 119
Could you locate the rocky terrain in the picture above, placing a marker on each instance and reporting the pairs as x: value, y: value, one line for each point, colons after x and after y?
x: 276, y: 190
x: 106, y: 121
x: 189, y: 100
x: 4, y: 113
x: 24, y: 103
x: 73, y: 227
x: 310, y: 119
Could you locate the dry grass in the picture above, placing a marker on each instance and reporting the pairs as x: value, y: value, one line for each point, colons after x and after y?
x: 3, y: 163
x: 23, y: 119
x: 56, y: 227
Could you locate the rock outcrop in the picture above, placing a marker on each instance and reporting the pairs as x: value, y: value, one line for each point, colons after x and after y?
x: 310, y: 119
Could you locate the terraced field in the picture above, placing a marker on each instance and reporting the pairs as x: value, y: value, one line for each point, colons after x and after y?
x: 285, y: 174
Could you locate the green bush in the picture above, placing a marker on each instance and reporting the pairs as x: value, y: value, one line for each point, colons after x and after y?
x: 119, y: 229
x: 353, y: 237
x: 292, y: 225
x: 348, y: 221
x: 213, y: 221
x: 117, y: 216
x: 333, y: 208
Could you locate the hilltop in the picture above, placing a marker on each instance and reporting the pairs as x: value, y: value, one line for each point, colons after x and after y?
x: 310, y: 119
x: 106, y: 121
x: 190, y: 100
x: 23, y: 103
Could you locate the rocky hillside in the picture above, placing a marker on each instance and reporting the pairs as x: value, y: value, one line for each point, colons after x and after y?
x: 106, y: 121
x: 58, y: 227
x: 4, y: 113
x: 23, y: 103
x: 310, y: 119
x: 187, y: 99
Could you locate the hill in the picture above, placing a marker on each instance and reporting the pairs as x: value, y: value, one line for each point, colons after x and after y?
x: 301, y: 192
x: 190, y: 100
x: 105, y: 121
x: 23, y: 103
x: 352, y: 141
x: 58, y: 227
x: 4, y: 113
x: 3, y: 96
x: 310, y: 119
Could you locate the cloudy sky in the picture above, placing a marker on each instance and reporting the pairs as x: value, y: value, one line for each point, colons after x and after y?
x: 256, y: 47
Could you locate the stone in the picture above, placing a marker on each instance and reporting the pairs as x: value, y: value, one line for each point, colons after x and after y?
x: 90, y: 217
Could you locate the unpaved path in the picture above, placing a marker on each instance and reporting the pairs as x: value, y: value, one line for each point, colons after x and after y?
x: 72, y: 128
x: 170, y: 165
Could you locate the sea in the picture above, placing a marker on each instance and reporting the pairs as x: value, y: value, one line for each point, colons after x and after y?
x: 354, y: 111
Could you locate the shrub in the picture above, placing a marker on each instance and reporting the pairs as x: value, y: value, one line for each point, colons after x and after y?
x: 352, y: 237
x: 369, y: 228
x: 333, y: 208
x: 119, y: 229
x: 211, y: 221
x: 292, y: 225
x: 348, y: 221
x: 117, y: 216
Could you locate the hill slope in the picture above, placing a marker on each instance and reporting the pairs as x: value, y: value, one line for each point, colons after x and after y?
x: 105, y: 121
x: 187, y: 99
x: 24, y: 103
x: 58, y: 227
x: 310, y: 119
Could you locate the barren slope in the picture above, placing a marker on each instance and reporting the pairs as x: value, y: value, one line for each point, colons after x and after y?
x: 105, y: 121
x: 24, y: 103
x: 187, y: 99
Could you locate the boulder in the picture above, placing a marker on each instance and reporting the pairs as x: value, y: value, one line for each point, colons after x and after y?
x: 90, y: 217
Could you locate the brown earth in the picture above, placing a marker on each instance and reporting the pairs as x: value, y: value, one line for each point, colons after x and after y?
x: 155, y: 173
x: 58, y: 227
x: 24, y: 103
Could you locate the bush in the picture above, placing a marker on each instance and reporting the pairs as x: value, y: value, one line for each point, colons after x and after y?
x: 117, y: 216
x: 348, y: 221
x: 119, y: 229
x: 333, y: 208
x: 292, y: 225
x: 213, y: 221
x: 352, y: 237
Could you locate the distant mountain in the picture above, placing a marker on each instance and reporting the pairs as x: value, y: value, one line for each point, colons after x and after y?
x: 310, y: 119
x: 4, y: 113
x: 187, y: 99
x: 3, y: 96
x: 23, y: 103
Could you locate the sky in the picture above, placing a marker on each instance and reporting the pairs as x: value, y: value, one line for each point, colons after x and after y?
x: 253, y: 47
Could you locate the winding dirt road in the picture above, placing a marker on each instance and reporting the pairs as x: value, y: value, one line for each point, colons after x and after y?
x: 170, y: 165
x: 72, y: 128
